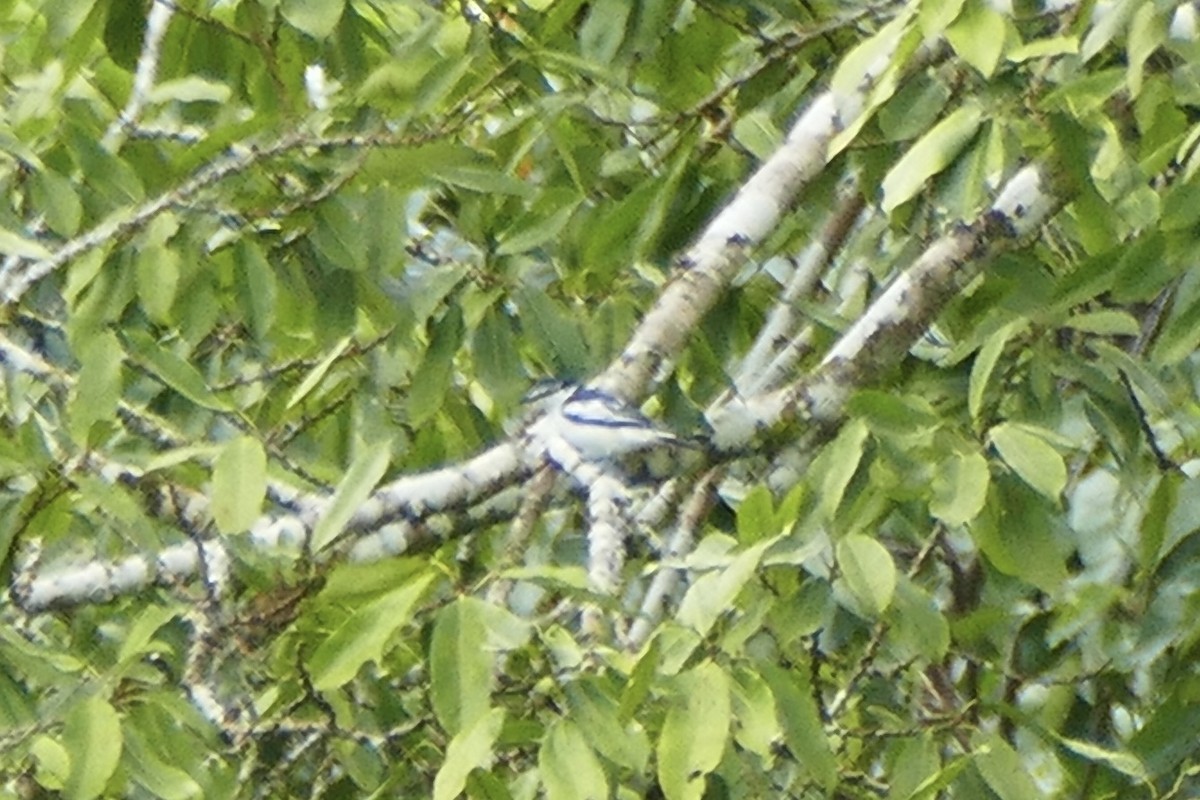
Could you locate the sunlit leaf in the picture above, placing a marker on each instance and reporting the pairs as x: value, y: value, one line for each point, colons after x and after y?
x: 357, y: 484
x: 317, y: 18
x: 932, y: 153
x: 695, y: 732
x: 460, y: 666
x: 568, y: 767
x: 470, y: 748
x: 239, y: 484
x: 1031, y: 457
x: 92, y: 736
x: 869, y: 571
x: 363, y: 637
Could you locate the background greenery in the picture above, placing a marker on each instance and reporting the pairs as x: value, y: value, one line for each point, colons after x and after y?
x: 984, y: 587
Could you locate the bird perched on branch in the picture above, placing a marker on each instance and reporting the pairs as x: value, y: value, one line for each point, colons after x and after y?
x: 597, y: 425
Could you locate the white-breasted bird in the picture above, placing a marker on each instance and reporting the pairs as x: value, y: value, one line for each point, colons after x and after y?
x: 597, y: 425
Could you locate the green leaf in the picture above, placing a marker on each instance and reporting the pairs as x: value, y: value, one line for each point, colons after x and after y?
x: 239, y: 484
x: 848, y: 79
x: 172, y: 370
x: 556, y: 335
x: 889, y: 413
x: 621, y: 740
x: 1106, y: 27
x: 485, y: 180
x: 436, y: 370
x: 1044, y: 48
x: 917, y: 624
x: 317, y: 18
x: 960, y: 487
x: 92, y: 737
x: 150, y: 771
x: 469, y: 749
x: 802, y: 728
x: 460, y: 666
x: 318, y: 372
x: 14, y: 244
x: 985, y: 365
x: 1020, y: 536
x: 364, y: 635
x: 603, y: 30
x: 755, y: 515
x: 1105, y: 323
x: 869, y: 572
x: 1031, y: 457
x: 714, y: 593
x: 1153, y: 527
x: 1123, y: 762
x: 839, y: 462
x: 568, y: 767
x: 98, y: 388
x: 1003, y: 770
x: 56, y: 199
x: 257, y: 288
x: 978, y: 36
x: 157, y: 280
x: 542, y: 229
x: 932, y: 787
x: 192, y: 89
x: 694, y: 732
x: 757, y: 727
x: 932, y: 153
x: 137, y: 639
x: 496, y: 358
x: 360, y: 480
x: 935, y: 15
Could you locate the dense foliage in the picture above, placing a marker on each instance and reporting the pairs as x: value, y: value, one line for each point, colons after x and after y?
x: 264, y: 257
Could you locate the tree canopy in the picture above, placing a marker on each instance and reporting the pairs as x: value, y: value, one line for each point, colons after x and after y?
x: 908, y: 285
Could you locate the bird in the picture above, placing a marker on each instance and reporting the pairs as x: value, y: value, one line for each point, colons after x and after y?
x: 596, y: 424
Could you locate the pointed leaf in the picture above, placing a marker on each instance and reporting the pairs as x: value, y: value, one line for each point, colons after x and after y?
x: 621, y: 741
x: 173, y: 370
x: 714, y: 593
x: 1031, y: 457
x: 433, y: 375
x: 360, y: 480
x: 802, y: 728
x: 978, y: 36
x: 317, y: 373
x: 932, y: 153
x: 363, y: 636
x: 98, y: 389
x: 471, y: 748
x: 840, y: 461
x: 1002, y: 768
x: 568, y: 767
